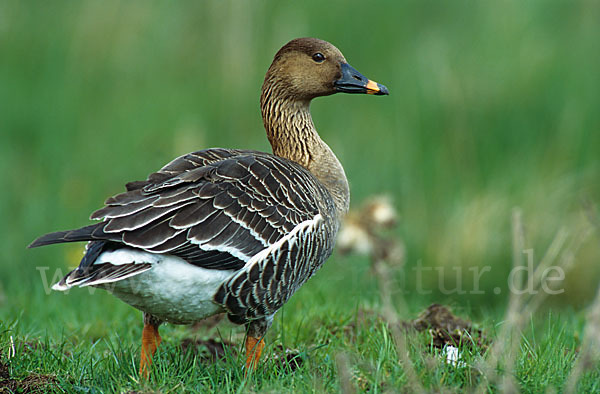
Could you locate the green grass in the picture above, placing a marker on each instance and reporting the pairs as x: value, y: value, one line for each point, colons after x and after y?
x: 493, y: 105
x: 109, y: 364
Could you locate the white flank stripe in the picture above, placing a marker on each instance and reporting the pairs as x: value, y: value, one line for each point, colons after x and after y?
x: 265, y: 252
x: 221, y: 248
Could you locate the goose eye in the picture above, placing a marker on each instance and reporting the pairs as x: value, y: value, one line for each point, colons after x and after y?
x: 318, y: 57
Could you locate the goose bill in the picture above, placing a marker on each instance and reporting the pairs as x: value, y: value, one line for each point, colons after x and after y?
x: 352, y: 81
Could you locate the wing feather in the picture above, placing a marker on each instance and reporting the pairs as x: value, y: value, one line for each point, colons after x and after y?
x: 215, y: 208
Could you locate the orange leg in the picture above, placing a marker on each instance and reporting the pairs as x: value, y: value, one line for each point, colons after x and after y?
x: 254, y: 348
x: 150, y: 341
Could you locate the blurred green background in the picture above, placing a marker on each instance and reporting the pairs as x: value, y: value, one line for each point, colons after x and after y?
x: 493, y: 105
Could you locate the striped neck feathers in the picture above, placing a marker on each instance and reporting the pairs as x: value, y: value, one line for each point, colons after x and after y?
x: 292, y: 134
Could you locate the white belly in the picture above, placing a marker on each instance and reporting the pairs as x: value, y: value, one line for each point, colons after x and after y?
x: 173, y: 290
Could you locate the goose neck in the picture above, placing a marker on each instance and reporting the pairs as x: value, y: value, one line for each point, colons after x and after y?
x: 292, y: 134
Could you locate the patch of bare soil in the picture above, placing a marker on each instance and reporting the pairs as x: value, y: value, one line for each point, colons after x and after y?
x: 447, y: 329
x: 4, y: 371
x: 208, y: 350
x: 34, y: 383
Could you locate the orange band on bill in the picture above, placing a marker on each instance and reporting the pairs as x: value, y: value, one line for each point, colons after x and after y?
x: 372, y: 87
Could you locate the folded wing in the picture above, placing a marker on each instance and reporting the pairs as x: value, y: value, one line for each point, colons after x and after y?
x: 214, y: 208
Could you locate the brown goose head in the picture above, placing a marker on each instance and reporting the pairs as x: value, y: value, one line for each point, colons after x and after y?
x: 306, y: 68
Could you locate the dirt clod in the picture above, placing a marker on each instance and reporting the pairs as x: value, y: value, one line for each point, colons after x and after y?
x: 287, y: 359
x: 447, y: 329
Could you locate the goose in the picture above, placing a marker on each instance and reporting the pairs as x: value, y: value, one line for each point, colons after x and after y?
x: 228, y: 230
